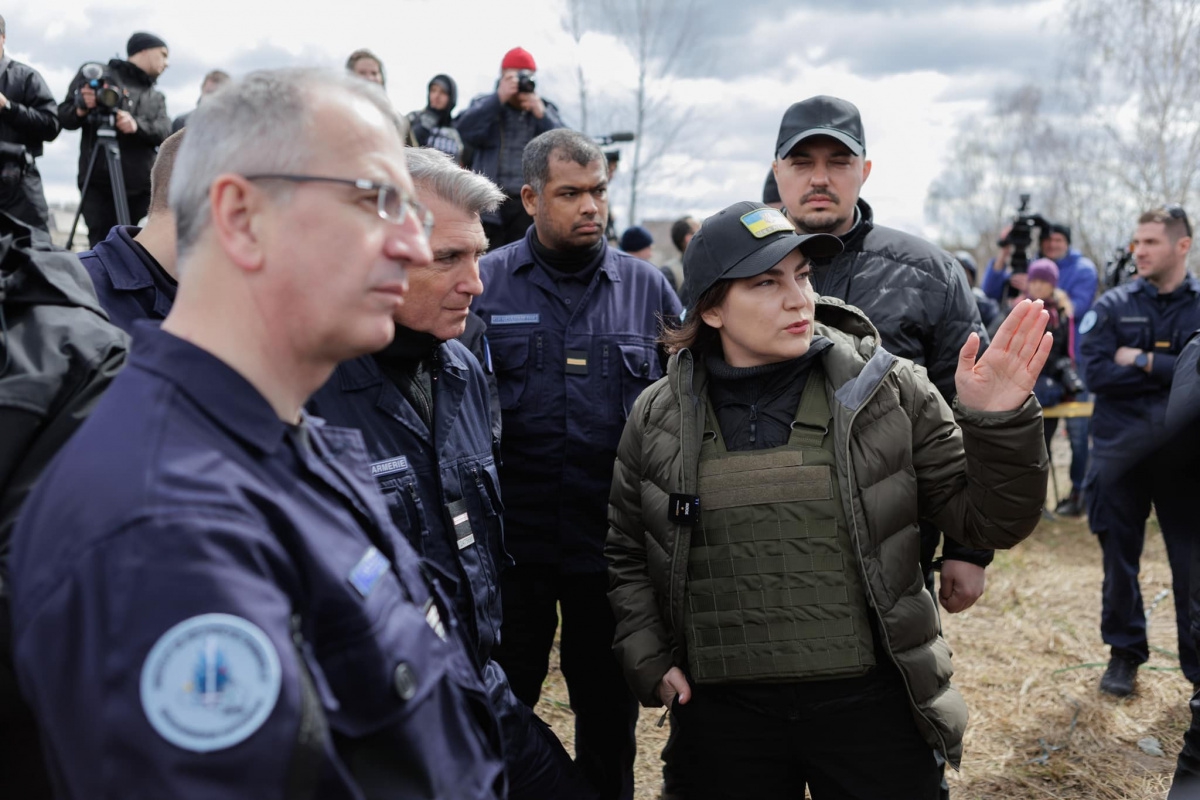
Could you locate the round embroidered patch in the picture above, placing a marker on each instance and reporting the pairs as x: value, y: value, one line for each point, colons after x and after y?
x: 210, y: 682
x: 1087, y: 323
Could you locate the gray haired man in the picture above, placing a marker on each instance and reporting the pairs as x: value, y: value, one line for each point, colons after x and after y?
x: 234, y: 613
x: 423, y: 406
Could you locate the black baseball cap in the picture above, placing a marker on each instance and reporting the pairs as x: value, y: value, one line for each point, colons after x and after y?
x: 821, y: 116
x: 744, y: 240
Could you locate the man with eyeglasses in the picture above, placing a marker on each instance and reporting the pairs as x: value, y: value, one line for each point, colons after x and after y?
x: 423, y: 406
x: 208, y: 577
x: 1130, y: 341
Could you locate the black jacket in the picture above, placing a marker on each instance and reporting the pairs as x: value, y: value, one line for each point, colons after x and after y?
x: 914, y: 292
x: 138, y: 149
x: 917, y: 296
x: 29, y: 118
x: 58, y: 352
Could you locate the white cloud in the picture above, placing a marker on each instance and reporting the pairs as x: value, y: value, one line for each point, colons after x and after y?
x: 910, y: 110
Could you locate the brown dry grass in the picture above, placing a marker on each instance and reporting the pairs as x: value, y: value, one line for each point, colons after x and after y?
x: 1028, y: 658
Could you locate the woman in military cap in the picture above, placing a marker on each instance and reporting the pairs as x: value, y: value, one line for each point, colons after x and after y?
x: 764, y: 543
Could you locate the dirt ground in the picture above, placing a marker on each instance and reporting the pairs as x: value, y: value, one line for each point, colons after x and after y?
x: 1028, y: 657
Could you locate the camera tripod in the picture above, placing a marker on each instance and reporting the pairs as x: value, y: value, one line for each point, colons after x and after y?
x: 106, y: 142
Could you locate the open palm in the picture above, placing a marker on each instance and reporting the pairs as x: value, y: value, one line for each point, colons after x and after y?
x: 1003, y: 377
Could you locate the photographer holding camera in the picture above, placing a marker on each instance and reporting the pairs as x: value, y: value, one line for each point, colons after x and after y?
x: 27, y: 120
x: 498, y: 126
x: 1078, y: 277
x: 1059, y: 381
x: 125, y: 95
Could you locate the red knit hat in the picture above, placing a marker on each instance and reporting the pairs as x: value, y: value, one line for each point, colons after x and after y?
x: 518, y: 58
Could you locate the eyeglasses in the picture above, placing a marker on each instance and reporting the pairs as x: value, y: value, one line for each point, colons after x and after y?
x: 1176, y: 211
x: 391, y: 202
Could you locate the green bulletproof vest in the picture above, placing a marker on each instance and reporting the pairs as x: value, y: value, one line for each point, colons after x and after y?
x: 774, y: 590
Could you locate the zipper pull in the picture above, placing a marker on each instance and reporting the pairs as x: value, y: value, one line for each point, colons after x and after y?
x: 753, y: 424
x: 663, y: 719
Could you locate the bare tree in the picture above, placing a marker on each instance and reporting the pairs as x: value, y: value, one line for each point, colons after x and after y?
x: 1115, y: 133
x: 658, y: 34
x: 574, y: 24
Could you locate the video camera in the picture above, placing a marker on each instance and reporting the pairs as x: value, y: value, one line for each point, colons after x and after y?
x: 111, y: 96
x: 1020, y: 236
x: 1120, y: 267
x: 525, y: 81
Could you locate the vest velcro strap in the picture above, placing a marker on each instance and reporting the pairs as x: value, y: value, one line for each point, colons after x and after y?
x: 729, y: 465
x: 798, y: 484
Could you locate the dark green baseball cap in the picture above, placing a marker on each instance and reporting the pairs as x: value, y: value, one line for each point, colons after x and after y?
x: 744, y: 240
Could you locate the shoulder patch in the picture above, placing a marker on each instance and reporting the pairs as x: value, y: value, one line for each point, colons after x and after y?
x: 210, y: 682
x: 1087, y: 323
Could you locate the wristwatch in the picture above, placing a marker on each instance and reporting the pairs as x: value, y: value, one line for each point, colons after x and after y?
x: 1141, y: 361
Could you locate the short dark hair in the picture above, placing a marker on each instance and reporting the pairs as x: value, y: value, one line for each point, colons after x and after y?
x: 1173, y: 218
x: 1056, y: 227
x: 218, y: 76
x: 680, y: 228
x: 562, y: 143
x: 359, y: 55
x: 694, y: 333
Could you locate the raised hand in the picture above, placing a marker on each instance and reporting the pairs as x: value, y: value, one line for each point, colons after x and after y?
x: 1003, y: 378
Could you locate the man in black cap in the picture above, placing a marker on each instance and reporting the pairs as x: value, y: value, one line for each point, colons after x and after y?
x: 141, y: 123
x: 914, y: 292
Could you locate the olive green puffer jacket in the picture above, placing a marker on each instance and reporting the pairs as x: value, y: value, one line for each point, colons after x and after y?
x: 902, y: 455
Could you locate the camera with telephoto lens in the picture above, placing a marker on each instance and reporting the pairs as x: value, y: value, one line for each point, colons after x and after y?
x: 525, y: 81
x: 15, y: 161
x: 1020, y: 236
x: 1069, y: 378
x: 1120, y: 268
x: 110, y: 94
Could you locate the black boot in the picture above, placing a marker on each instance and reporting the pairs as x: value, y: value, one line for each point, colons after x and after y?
x: 1118, y: 678
x: 1072, y: 506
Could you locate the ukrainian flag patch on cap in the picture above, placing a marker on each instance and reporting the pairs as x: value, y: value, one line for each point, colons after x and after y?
x: 762, y: 222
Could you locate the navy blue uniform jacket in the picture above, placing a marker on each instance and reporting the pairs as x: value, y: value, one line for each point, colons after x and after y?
x: 129, y: 286
x: 211, y: 603
x: 568, y: 376
x: 431, y: 478
x: 1131, y: 404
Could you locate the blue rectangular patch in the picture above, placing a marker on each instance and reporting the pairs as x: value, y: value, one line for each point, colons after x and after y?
x: 516, y: 319
x: 368, y: 571
x: 389, y: 466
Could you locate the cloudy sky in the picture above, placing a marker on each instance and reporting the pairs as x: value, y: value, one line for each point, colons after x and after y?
x: 917, y: 70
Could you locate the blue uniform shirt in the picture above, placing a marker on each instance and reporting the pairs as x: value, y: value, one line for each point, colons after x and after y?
x: 1131, y: 404
x: 130, y: 284
x: 208, y: 602
x: 568, y: 372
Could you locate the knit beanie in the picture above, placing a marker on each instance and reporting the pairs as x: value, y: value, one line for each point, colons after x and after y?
x: 143, y: 41
x: 635, y: 238
x: 1043, y: 269
x: 518, y: 58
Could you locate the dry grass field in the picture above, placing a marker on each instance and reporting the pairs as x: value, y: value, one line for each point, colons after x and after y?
x: 1028, y: 658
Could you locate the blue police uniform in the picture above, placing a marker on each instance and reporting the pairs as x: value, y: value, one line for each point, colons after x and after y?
x: 209, y: 602
x: 569, y: 361
x: 443, y: 492
x: 1122, y: 481
x: 131, y: 285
